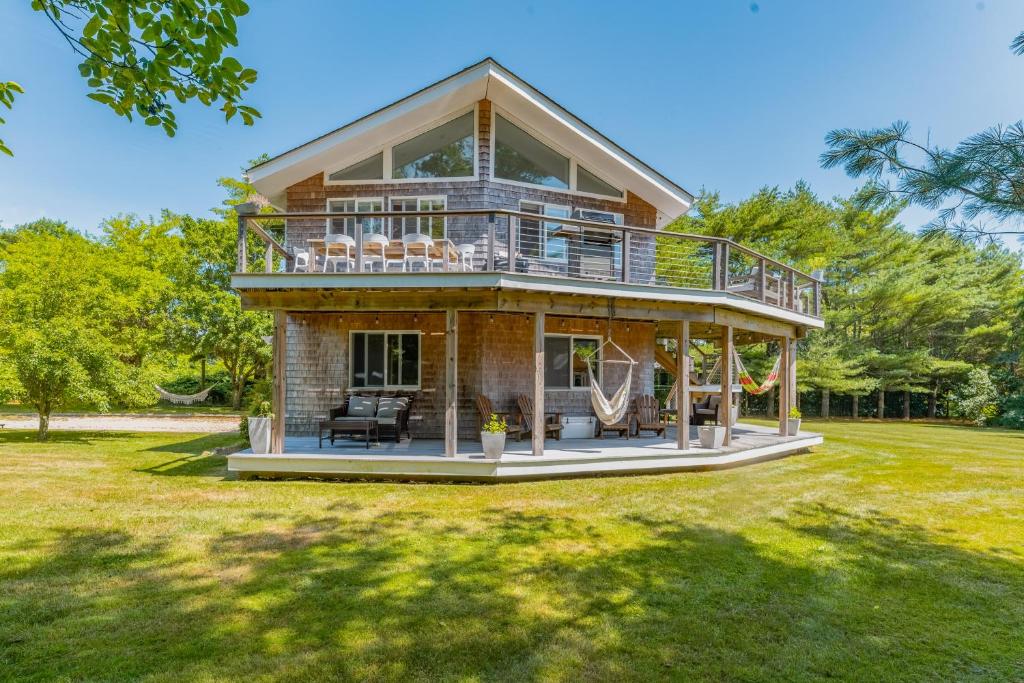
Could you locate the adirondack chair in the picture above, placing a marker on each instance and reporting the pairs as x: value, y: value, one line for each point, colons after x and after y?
x: 552, y: 421
x: 647, y: 415
x: 484, y: 409
x: 624, y: 426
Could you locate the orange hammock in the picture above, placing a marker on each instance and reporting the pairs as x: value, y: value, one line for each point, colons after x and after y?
x: 748, y: 383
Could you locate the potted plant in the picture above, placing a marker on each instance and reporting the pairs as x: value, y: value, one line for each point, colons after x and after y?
x: 492, y: 436
x: 259, y: 428
x: 794, y: 421
x: 711, y: 436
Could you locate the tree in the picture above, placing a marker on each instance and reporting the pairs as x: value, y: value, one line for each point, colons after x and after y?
x: 58, y: 339
x: 982, y: 176
x: 207, y: 316
x: 139, y: 54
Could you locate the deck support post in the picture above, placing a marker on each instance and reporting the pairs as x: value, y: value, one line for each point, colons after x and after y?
x: 784, y: 386
x: 683, y: 386
x: 791, y: 365
x: 538, y: 384
x: 725, y: 403
x: 451, y: 375
x: 280, y: 352
x: 242, y: 263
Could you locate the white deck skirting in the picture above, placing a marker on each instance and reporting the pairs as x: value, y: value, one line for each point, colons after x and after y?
x: 421, y: 459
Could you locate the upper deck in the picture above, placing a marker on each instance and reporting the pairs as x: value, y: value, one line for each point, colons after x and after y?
x: 471, y: 251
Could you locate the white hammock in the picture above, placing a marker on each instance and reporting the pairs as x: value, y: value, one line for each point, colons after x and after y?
x: 183, y: 399
x: 611, y: 411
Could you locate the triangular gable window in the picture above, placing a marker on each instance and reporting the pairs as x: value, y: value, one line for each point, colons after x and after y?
x: 588, y: 182
x: 367, y: 169
x: 523, y: 158
x: 442, y: 152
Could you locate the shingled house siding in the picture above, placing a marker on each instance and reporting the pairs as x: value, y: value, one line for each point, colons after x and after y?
x: 311, y: 195
x: 495, y: 359
x: 495, y: 351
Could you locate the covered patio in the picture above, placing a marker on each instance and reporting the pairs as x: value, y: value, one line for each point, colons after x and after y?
x: 425, y: 459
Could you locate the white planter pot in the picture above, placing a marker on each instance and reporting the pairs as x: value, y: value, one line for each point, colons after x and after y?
x: 735, y: 415
x: 711, y: 436
x: 494, y: 444
x: 794, y: 426
x: 259, y: 434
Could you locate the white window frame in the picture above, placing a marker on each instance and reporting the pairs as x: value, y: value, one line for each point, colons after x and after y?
x: 573, y: 162
x: 387, y: 147
x: 355, y: 200
x: 384, y: 387
x: 572, y: 343
x: 543, y: 218
x: 443, y: 198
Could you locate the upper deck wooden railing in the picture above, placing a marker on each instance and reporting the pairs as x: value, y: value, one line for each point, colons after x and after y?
x: 553, y: 246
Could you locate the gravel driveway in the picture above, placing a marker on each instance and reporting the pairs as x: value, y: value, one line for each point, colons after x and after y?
x: 128, y: 423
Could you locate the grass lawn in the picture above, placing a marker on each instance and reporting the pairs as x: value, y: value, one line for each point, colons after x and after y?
x: 894, y: 552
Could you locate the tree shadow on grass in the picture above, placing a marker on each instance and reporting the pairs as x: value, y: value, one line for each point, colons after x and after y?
x: 198, y: 458
x: 57, y: 437
x: 515, y: 595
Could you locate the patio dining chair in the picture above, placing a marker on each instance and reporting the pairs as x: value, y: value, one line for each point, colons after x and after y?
x: 334, y: 243
x: 375, y: 248
x: 416, y: 247
x: 465, y: 254
x: 300, y: 260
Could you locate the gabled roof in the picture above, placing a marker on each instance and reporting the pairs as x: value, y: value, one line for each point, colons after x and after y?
x: 484, y: 80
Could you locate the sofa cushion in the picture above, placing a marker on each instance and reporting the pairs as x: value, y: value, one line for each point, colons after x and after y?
x: 362, y: 406
x: 388, y: 408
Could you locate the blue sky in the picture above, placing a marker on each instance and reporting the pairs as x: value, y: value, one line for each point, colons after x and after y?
x: 727, y: 95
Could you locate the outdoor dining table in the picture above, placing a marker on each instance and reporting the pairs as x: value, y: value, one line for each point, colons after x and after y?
x: 395, y: 251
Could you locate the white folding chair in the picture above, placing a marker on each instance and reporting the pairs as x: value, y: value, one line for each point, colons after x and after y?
x: 465, y: 254
x: 335, y: 242
x: 375, y: 251
x: 416, y: 242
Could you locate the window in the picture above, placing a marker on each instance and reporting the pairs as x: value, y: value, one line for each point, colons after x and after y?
x: 590, y: 183
x: 566, y: 358
x: 347, y: 225
x: 523, y: 158
x: 600, y: 252
x: 442, y: 152
x: 367, y: 169
x: 540, y: 239
x: 385, y: 360
x: 436, y: 227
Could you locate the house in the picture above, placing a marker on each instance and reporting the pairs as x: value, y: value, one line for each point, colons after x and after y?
x: 477, y: 239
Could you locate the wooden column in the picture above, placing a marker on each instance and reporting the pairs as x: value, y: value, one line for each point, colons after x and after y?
x: 784, y: 386
x: 242, y: 263
x: 451, y: 386
x: 683, y: 386
x: 279, y: 365
x: 793, y: 396
x: 538, y: 384
x: 725, y: 403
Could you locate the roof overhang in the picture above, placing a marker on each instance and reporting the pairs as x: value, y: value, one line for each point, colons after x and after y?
x: 484, y: 80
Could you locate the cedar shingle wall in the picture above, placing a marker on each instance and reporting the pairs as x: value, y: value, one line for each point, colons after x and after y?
x: 495, y: 358
x: 311, y: 195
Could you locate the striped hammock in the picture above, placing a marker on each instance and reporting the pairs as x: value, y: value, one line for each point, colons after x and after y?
x: 748, y: 383
x: 183, y: 399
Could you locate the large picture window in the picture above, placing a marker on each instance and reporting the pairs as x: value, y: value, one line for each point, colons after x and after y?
x: 435, y: 226
x: 347, y: 225
x: 368, y: 169
x: 442, y: 152
x: 385, y: 360
x: 523, y: 158
x: 566, y: 358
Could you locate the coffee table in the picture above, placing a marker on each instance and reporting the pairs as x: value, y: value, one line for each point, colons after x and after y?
x: 349, y: 425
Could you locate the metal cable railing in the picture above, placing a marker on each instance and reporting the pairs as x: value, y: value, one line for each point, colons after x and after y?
x: 484, y: 240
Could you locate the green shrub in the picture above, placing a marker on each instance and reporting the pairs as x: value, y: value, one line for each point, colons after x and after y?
x: 975, y: 399
x: 1012, y: 412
